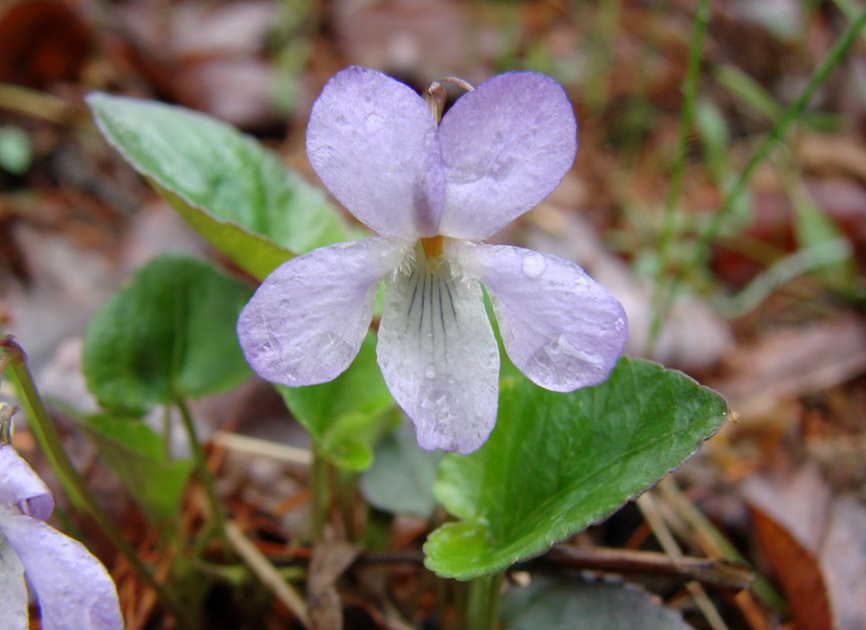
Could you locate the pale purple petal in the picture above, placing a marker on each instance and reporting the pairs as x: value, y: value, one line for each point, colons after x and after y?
x: 74, y: 590
x: 439, y: 357
x: 373, y: 142
x: 505, y: 146
x: 306, y: 322
x: 13, y: 592
x: 21, y: 488
x: 560, y: 328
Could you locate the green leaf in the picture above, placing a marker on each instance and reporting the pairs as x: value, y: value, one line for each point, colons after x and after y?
x: 577, y: 604
x: 225, y: 184
x: 401, y: 478
x: 345, y: 416
x: 556, y: 463
x: 168, y: 333
x: 133, y: 451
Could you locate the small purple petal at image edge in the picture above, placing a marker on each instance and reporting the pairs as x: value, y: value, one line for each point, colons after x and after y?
x: 74, y: 590
x: 432, y: 194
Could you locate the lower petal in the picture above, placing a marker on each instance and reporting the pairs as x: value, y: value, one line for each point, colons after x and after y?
x: 13, y: 592
x: 439, y: 357
x: 73, y: 588
x: 306, y: 322
x: 560, y: 328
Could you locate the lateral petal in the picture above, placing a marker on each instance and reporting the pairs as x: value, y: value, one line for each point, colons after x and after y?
x: 74, y: 590
x: 439, y: 357
x: 505, y: 147
x: 560, y: 328
x: 22, y: 488
x: 305, y: 323
x: 374, y: 144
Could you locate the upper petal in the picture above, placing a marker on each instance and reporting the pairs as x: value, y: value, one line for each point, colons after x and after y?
x: 505, y: 147
x: 439, y: 357
x: 373, y: 142
x: 560, y: 328
x: 306, y: 322
x: 21, y: 488
x: 74, y: 590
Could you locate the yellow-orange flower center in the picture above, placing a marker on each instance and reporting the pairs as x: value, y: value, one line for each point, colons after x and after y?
x: 432, y: 247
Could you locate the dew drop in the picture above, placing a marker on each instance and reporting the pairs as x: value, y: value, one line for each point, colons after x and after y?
x: 430, y: 372
x: 619, y: 323
x: 533, y: 265
x: 321, y: 155
x: 373, y: 123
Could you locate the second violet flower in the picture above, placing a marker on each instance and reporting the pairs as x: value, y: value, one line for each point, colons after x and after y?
x: 431, y: 193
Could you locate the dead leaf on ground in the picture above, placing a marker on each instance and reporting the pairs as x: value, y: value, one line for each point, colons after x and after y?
x: 816, y: 545
x: 793, y: 362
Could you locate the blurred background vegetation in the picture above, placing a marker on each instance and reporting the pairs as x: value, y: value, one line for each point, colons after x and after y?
x: 769, y: 312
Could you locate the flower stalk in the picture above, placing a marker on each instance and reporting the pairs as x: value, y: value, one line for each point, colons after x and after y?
x: 217, y: 516
x: 485, y: 595
x: 73, y: 484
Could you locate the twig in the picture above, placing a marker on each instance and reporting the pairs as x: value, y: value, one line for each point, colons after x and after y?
x: 666, y: 540
x: 725, y: 574
x: 266, y: 572
x: 263, y: 448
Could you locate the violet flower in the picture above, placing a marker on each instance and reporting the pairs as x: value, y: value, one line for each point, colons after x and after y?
x: 74, y: 590
x: 431, y: 193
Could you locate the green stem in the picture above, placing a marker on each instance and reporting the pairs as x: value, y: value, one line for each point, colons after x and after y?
x: 166, y: 431
x: 687, y: 115
x: 482, y: 611
x: 73, y: 484
x: 839, y: 49
x: 319, y: 494
x: 200, y: 459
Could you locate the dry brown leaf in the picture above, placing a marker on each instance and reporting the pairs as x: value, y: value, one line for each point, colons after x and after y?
x: 329, y: 562
x: 816, y: 545
x: 794, y: 362
x: 797, y: 570
x: 843, y: 561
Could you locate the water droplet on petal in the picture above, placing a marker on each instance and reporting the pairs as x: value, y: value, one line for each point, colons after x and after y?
x: 430, y: 372
x: 373, y: 123
x: 321, y: 155
x: 534, y: 265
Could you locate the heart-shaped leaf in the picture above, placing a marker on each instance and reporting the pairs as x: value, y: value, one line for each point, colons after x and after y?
x: 345, y: 416
x: 556, y: 463
x: 169, y: 332
x: 226, y: 185
x: 577, y: 604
